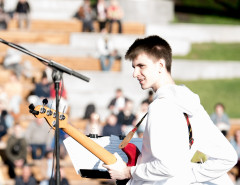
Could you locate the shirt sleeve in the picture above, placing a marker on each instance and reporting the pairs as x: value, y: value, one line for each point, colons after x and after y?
x: 169, y: 144
x: 210, y: 141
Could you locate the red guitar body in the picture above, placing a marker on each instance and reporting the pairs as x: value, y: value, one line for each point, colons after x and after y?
x: 132, y: 153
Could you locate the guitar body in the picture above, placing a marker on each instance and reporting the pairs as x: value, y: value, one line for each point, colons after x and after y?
x: 108, y: 158
x: 132, y: 153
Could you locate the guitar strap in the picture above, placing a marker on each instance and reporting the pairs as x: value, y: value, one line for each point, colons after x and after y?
x: 191, y: 140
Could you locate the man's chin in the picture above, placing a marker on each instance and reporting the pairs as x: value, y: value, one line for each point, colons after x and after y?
x: 144, y: 87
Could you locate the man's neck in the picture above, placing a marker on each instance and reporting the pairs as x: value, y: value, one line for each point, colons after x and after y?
x: 165, y: 79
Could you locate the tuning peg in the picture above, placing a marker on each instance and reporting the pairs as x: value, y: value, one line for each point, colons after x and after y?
x: 45, y: 101
x: 31, y: 109
x: 43, y: 110
x: 62, y: 117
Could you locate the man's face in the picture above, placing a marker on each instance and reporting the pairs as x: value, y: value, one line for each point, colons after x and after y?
x: 146, y: 71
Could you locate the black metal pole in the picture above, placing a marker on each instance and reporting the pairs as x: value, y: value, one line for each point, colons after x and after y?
x: 57, y: 76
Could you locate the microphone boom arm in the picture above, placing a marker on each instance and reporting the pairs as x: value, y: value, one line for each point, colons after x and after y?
x: 47, y: 62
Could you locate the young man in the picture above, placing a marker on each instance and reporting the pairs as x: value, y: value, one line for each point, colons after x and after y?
x: 167, y: 149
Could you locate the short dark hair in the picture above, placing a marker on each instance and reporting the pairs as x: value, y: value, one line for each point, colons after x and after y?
x: 153, y: 46
x: 219, y: 104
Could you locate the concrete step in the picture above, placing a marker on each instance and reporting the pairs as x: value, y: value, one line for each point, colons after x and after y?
x: 196, y: 33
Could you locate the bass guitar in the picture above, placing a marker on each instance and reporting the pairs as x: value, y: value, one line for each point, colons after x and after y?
x: 132, y: 152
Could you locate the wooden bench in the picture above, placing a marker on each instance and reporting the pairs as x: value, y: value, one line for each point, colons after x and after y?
x: 134, y: 28
x: 25, y: 36
x: 235, y: 125
x: 75, y: 63
x: 4, y: 75
x: 74, y: 25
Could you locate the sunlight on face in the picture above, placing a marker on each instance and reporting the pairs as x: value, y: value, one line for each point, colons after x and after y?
x: 146, y: 71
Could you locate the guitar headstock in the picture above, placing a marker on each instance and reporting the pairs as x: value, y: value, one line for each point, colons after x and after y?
x: 42, y: 111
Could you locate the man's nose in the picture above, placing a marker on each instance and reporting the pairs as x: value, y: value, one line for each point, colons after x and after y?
x: 135, y: 73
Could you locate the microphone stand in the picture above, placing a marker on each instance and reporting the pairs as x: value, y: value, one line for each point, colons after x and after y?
x: 58, y: 70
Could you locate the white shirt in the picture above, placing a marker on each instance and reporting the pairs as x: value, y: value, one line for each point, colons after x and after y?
x: 104, y: 48
x: 166, y: 158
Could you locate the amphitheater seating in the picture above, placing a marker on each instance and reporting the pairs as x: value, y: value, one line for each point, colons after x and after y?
x: 4, y: 75
x: 235, y: 125
x: 38, y: 171
x: 27, y: 36
x: 75, y: 63
x: 58, y: 32
x: 74, y: 25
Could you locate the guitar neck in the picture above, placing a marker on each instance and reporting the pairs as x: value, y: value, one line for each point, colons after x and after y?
x: 86, y: 142
x: 90, y: 145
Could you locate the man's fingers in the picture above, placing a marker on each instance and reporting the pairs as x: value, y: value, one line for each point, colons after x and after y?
x: 105, y: 166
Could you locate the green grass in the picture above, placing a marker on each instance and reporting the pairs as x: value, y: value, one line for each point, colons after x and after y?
x: 226, y: 91
x: 213, y: 51
x: 206, y: 4
x: 205, y: 19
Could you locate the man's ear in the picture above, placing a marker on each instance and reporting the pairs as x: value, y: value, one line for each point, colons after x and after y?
x: 161, y: 65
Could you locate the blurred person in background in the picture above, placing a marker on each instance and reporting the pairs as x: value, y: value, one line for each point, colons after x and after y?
x: 63, y: 180
x: 40, y: 91
x: 101, y: 14
x: 16, y: 150
x: 3, y: 124
x: 107, y: 52
x: 150, y: 97
x: 234, y: 175
x: 38, y: 138
x: 22, y: 14
x: 115, y: 14
x: 90, y: 108
x: 12, y: 61
x: 63, y: 103
x: 14, y: 90
x: 111, y: 127
x: 235, y: 141
x: 126, y: 118
x: 47, y: 163
x: 2, y: 4
x: 221, y: 119
x: 4, y: 18
x: 86, y: 14
x: 26, y: 178
x: 118, y: 102
x: 94, y: 125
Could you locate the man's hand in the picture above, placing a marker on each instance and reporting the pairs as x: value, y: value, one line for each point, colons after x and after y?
x: 118, y: 170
